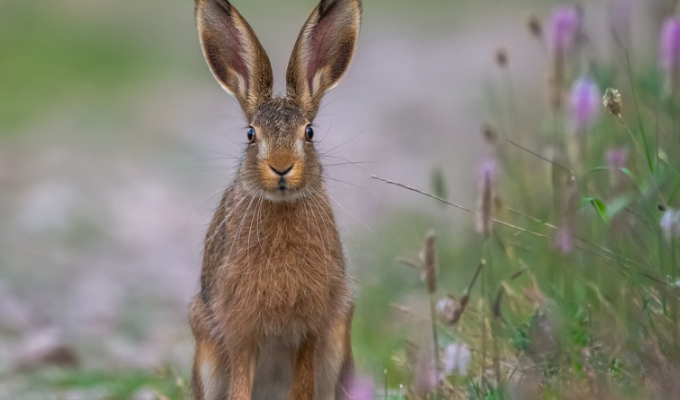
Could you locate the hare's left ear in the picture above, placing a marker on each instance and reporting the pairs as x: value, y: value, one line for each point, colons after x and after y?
x: 323, y: 52
x: 234, y: 54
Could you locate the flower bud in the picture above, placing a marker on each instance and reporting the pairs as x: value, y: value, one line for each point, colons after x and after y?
x: 584, y: 104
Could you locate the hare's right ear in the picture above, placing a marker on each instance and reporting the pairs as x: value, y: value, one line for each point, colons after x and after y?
x: 323, y: 52
x: 234, y: 54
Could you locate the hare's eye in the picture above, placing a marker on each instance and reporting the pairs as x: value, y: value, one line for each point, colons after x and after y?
x: 309, y: 133
x: 251, y: 134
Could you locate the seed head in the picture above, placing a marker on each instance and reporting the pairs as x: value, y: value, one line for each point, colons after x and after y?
x: 429, y: 263
x: 488, y: 171
x: 612, y: 101
x: 502, y: 58
x: 450, y: 310
x: 489, y: 133
x: 535, y: 26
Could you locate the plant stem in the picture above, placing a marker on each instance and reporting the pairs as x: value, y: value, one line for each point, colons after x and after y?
x: 435, y: 342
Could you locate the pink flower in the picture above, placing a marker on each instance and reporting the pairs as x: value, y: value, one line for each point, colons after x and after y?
x: 446, y: 308
x: 617, y: 158
x: 456, y: 358
x: 584, y: 104
x: 564, y: 240
x: 565, y: 25
x: 488, y: 169
x: 361, y: 388
x: 670, y: 45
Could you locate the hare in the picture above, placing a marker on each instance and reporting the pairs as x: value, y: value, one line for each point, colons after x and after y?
x: 273, y: 316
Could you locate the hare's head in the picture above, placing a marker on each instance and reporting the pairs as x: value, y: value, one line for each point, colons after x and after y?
x: 280, y: 162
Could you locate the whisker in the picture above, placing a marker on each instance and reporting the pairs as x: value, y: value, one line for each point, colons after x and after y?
x: 240, y: 226
x: 345, y: 142
x: 354, y: 185
x: 250, y: 231
x: 224, y: 220
x: 341, y: 220
x: 350, y: 163
x: 314, y: 201
x: 309, y: 235
x: 354, y: 216
x: 325, y: 135
x: 353, y: 164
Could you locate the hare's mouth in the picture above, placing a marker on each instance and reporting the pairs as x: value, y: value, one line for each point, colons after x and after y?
x: 282, y: 187
x: 283, y: 193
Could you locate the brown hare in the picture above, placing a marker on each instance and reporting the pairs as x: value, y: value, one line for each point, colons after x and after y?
x: 273, y: 316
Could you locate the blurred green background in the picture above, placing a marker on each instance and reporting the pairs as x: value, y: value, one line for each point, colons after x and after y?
x: 115, y: 144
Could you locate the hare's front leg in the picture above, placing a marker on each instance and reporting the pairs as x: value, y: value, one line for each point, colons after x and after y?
x: 303, y: 376
x: 242, y: 361
x: 209, y: 374
x: 335, y: 364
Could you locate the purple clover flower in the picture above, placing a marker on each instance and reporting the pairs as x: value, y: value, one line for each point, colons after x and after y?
x: 564, y: 240
x: 456, y: 358
x: 361, y: 388
x: 584, y: 104
x: 670, y: 45
x: 617, y: 158
x: 565, y: 24
x: 487, y: 170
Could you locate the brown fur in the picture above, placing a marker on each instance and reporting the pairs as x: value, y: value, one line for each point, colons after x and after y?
x: 274, y: 285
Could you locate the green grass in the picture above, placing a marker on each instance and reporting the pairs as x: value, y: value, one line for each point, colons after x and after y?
x: 118, y: 385
x: 51, y: 56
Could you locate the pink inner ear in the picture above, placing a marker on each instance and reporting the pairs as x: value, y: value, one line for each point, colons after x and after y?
x: 319, y: 45
x: 235, y: 54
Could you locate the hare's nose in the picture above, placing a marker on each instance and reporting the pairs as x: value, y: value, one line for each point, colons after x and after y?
x: 282, y: 172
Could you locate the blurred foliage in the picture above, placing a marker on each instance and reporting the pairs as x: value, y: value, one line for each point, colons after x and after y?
x: 50, y: 56
x: 117, y: 385
x: 598, y: 321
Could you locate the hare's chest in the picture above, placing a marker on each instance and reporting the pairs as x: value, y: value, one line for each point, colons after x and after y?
x: 286, y: 270
x: 292, y: 288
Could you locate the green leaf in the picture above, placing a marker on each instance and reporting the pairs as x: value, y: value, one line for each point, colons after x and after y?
x: 600, y: 207
x: 616, y: 206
